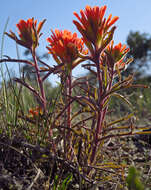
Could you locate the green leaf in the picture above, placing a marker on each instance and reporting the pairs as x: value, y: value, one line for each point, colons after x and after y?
x: 129, y: 61
x: 105, y: 75
x: 119, y: 73
x: 127, y: 80
x: 120, y: 120
x: 66, y: 182
x: 106, y: 102
x: 55, y: 182
x: 133, y: 180
x: 108, y: 39
x: 123, y: 98
x: 95, y: 93
x: 143, y: 133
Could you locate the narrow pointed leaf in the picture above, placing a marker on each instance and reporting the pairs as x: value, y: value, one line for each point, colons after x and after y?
x: 123, y: 98
x: 120, y: 120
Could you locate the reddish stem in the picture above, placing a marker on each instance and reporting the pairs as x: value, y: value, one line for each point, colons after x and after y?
x: 39, y: 80
x: 100, y: 119
x: 102, y: 111
x: 69, y: 92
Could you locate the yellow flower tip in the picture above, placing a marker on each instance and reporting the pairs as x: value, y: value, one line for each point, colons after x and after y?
x: 87, y: 8
x: 40, y: 25
x: 115, y: 18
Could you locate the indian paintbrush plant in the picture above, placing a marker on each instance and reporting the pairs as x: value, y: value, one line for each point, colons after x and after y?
x: 79, y: 137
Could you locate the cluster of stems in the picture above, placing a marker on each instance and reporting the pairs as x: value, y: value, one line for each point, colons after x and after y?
x: 106, y: 62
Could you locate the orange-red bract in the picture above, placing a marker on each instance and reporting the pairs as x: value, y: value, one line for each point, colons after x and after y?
x: 65, y: 46
x: 35, y: 112
x: 93, y: 26
x: 118, y: 53
x: 28, y: 32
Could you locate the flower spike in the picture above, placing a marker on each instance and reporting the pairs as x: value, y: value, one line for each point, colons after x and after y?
x: 118, y: 53
x: 28, y: 33
x: 65, y: 46
x: 93, y: 26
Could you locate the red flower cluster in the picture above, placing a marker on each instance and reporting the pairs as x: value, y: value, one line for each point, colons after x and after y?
x: 28, y: 33
x: 118, y: 53
x: 93, y: 26
x: 35, y: 112
x: 65, y: 46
